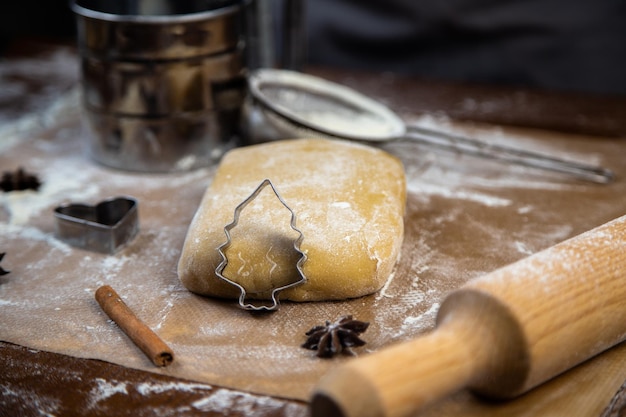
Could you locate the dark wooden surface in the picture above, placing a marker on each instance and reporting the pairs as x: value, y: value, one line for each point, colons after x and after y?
x: 34, y: 383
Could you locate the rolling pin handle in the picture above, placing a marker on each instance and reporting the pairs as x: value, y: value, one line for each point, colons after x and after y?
x: 395, y: 381
x: 477, y: 344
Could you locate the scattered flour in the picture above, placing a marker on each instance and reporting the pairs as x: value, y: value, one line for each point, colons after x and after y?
x: 383, y: 291
x: 44, y: 405
x: 148, y: 388
x: 105, y: 389
x: 60, y: 184
x: 62, y: 108
x: 242, y: 403
x: 460, y: 194
x: 523, y: 248
x: 412, y: 324
x: 34, y: 235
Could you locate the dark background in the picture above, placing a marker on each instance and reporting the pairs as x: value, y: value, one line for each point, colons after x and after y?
x: 565, y: 45
x: 43, y: 19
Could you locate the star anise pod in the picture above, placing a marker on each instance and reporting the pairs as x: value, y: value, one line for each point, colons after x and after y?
x: 333, y: 338
x: 19, y: 180
x: 2, y: 270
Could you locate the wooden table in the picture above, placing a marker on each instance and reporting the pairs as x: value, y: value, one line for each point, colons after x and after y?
x: 34, y: 382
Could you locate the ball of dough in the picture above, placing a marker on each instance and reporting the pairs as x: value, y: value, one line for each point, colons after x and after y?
x: 349, y: 201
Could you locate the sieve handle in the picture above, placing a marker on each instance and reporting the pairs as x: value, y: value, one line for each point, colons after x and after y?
x: 470, y: 146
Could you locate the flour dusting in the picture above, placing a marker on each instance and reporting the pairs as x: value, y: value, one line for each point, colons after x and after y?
x: 149, y: 388
x: 465, y: 217
x: 60, y: 183
x: 243, y: 403
x: 33, y: 234
x: 412, y: 324
x: 448, y: 192
x: 105, y: 389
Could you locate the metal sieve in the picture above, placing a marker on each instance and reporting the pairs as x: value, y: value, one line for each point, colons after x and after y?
x: 286, y: 104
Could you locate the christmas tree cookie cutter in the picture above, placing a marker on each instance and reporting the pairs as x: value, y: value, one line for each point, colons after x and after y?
x: 219, y: 271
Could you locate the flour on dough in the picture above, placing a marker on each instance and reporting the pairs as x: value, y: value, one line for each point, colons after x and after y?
x: 349, y: 200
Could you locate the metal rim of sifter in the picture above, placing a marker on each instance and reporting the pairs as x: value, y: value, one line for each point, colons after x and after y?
x: 281, y: 90
x: 219, y: 8
x: 302, y: 103
x: 275, y: 304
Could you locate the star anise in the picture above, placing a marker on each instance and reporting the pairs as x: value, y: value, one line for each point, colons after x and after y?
x: 2, y: 270
x: 333, y: 338
x: 19, y: 180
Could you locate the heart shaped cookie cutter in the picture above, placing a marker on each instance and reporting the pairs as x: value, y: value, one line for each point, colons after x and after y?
x: 105, y: 227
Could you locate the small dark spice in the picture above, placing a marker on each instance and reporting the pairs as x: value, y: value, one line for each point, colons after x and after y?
x: 19, y: 180
x: 2, y: 270
x: 333, y: 338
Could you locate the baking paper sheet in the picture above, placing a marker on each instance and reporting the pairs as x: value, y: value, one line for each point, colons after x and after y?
x: 465, y: 217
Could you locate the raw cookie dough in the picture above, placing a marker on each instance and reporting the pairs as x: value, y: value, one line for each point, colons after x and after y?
x: 349, y: 200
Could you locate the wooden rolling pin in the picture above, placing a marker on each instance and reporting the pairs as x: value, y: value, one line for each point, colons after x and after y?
x: 499, y: 335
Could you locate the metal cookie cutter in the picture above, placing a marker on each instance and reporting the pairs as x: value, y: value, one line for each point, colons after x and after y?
x: 105, y: 227
x: 296, y: 245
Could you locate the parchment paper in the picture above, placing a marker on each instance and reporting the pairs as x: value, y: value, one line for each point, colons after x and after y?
x: 465, y: 217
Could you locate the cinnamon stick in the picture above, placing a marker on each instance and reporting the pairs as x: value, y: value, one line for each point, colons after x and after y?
x: 135, y: 329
